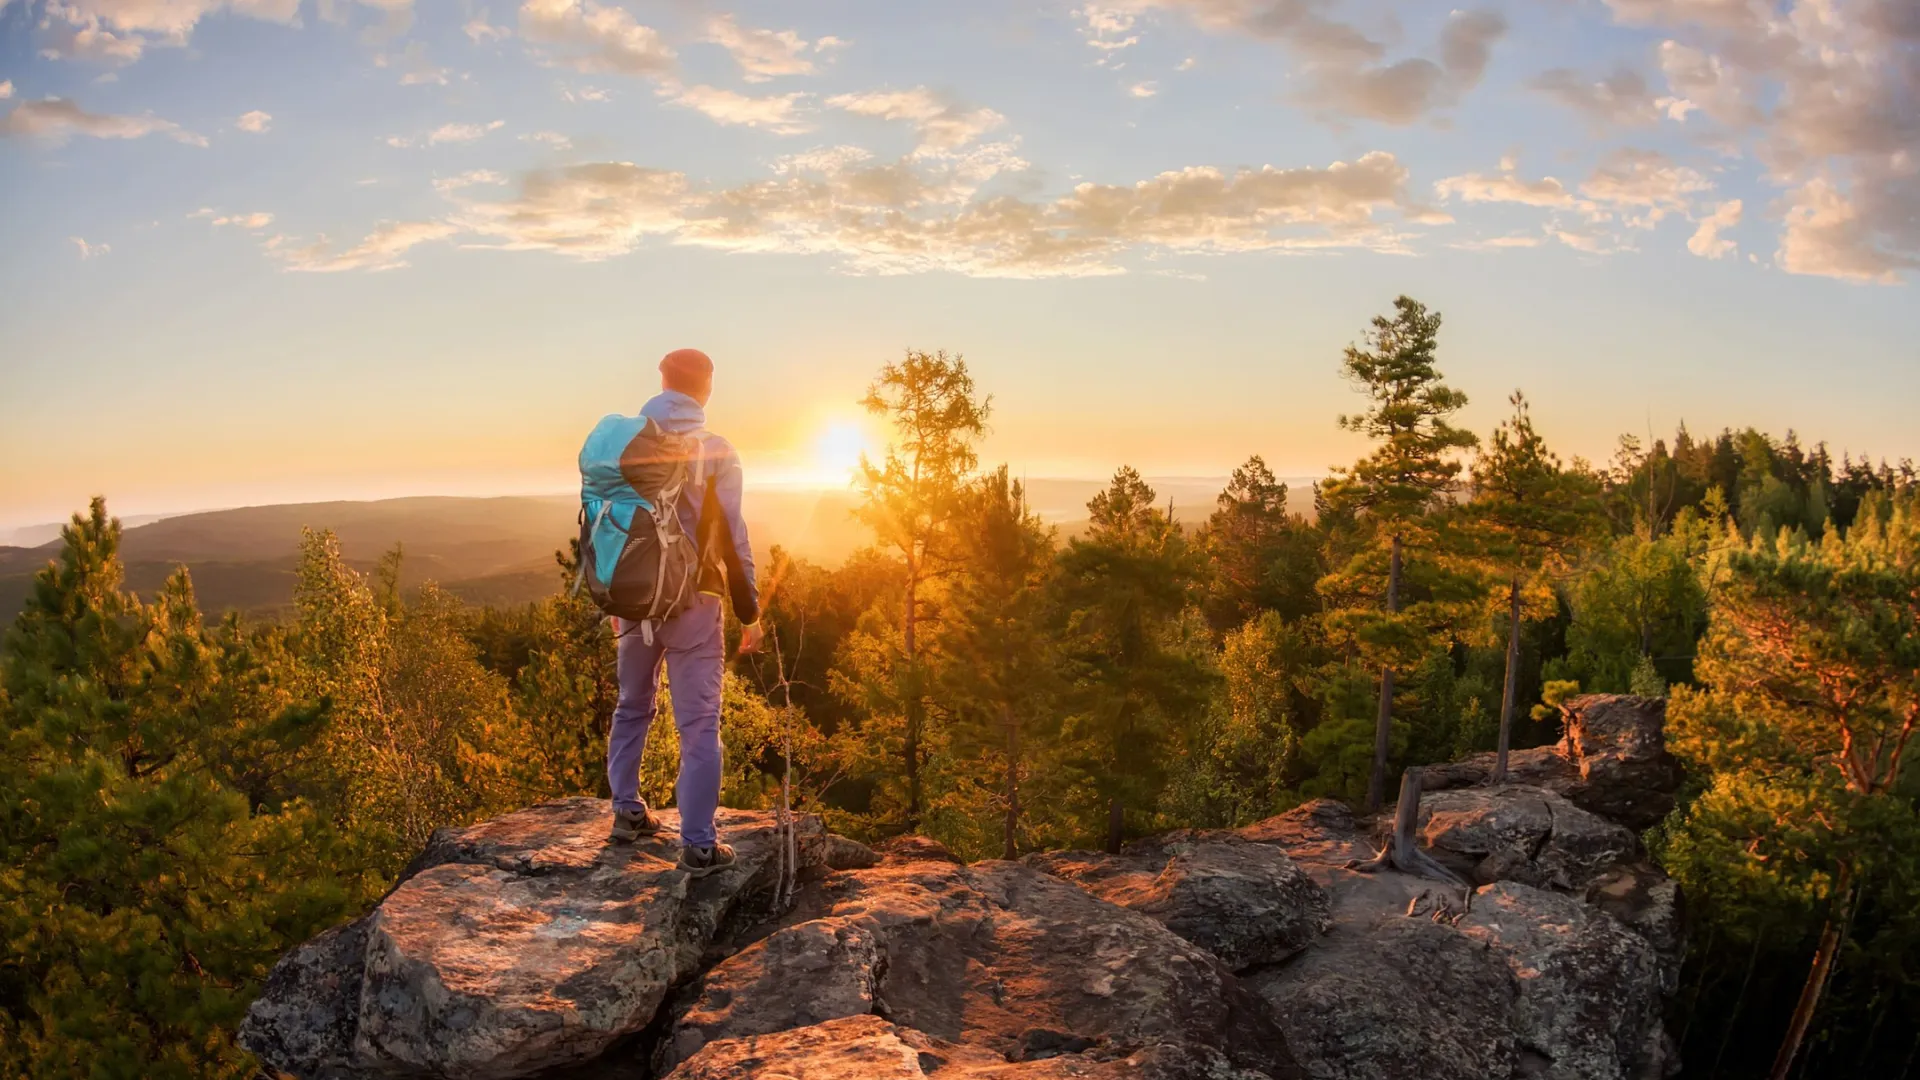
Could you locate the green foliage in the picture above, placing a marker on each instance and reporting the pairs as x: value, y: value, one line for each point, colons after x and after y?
x: 1810, y: 698
x: 155, y: 864
x: 1138, y: 671
x: 1262, y: 557
x: 909, y: 501
x: 999, y: 677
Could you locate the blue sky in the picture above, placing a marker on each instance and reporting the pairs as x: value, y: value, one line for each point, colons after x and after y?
x: 281, y: 250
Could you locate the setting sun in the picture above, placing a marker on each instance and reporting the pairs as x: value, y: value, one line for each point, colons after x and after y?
x: 837, y: 450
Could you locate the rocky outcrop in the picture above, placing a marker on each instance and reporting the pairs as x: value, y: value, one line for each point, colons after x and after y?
x: 997, y: 958
x: 869, y: 1048
x: 1555, y: 965
x: 1524, y: 834
x: 531, y: 946
x: 1245, y: 903
x: 1611, y: 760
x: 512, y: 946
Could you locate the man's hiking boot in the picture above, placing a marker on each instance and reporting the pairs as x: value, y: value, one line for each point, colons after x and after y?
x: 701, y: 861
x: 631, y: 825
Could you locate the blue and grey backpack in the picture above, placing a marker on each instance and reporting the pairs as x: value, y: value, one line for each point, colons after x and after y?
x: 636, y: 560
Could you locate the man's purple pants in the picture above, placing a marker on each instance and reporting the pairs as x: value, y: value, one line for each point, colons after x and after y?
x: 694, y: 650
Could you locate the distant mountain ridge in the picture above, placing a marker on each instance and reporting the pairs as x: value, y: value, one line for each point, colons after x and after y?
x: 497, y: 550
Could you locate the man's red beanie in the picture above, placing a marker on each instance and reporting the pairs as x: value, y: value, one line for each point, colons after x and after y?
x: 688, y: 371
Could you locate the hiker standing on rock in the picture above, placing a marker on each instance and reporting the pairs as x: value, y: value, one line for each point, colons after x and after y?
x: 661, y: 537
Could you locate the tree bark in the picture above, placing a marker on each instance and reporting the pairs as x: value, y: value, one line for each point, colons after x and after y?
x: 912, y: 705
x: 1402, y: 852
x: 1116, y: 826
x: 1383, y: 722
x: 1513, y: 681
x: 1013, y: 780
x: 1816, y: 986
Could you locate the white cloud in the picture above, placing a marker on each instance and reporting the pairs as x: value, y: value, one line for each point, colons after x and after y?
x: 54, y: 119
x: 1107, y: 29
x: 595, y: 37
x: 943, y: 124
x: 912, y: 215
x: 1343, y: 72
x: 468, y: 179
x: 458, y: 133
x: 1706, y: 241
x: 1144, y: 89
x: 1505, y: 187
x: 6, y: 89
x: 119, y: 31
x: 1621, y: 99
x: 1829, y: 234
x: 87, y: 250
x: 1823, y: 97
x: 1645, y: 180
x: 446, y: 133
x: 255, y: 121
x: 257, y: 220
x: 775, y: 112
x: 383, y: 249
x: 482, y: 32
x: 550, y: 138
x: 761, y: 54
x: 592, y: 94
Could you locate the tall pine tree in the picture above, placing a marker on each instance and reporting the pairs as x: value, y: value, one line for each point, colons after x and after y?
x: 910, y: 500
x: 999, y: 673
x: 1396, y: 487
x: 1529, y: 513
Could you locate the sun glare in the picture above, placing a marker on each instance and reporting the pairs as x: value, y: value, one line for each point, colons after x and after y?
x: 837, y: 450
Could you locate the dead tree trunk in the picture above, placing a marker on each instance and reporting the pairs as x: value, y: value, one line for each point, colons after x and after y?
x: 1383, y: 723
x: 1116, y: 826
x: 1823, y: 957
x: 1513, y: 681
x: 1013, y: 780
x: 1402, y: 852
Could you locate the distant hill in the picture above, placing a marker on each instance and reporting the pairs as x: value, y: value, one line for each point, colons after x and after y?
x: 487, y: 550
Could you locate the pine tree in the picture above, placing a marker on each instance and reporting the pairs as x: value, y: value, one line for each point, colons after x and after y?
x: 144, y: 893
x: 1396, y: 487
x: 1261, y: 557
x: 998, y: 672
x: 1810, y: 700
x: 910, y: 500
x: 1140, y: 672
x: 1529, y: 513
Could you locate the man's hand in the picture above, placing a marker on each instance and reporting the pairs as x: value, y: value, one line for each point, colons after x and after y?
x: 752, y: 637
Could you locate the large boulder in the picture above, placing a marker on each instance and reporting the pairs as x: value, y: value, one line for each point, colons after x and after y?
x: 870, y: 1048
x: 1420, y: 978
x: 1612, y: 760
x: 1243, y: 902
x: 996, y: 957
x: 1590, y: 990
x: 1524, y: 834
x: 513, y: 946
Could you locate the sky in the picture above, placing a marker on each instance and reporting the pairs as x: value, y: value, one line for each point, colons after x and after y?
x: 265, y: 251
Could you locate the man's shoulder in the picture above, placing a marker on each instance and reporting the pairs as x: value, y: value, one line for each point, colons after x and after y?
x: 716, y: 446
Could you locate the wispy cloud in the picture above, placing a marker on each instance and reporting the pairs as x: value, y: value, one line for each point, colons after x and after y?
x: 89, y: 250
x: 383, y: 249
x: 777, y: 113
x: 55, y: 119
x: 761, y: 54
x: 943, y: 124
x: 588, y: 36
x: 254, y: 122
